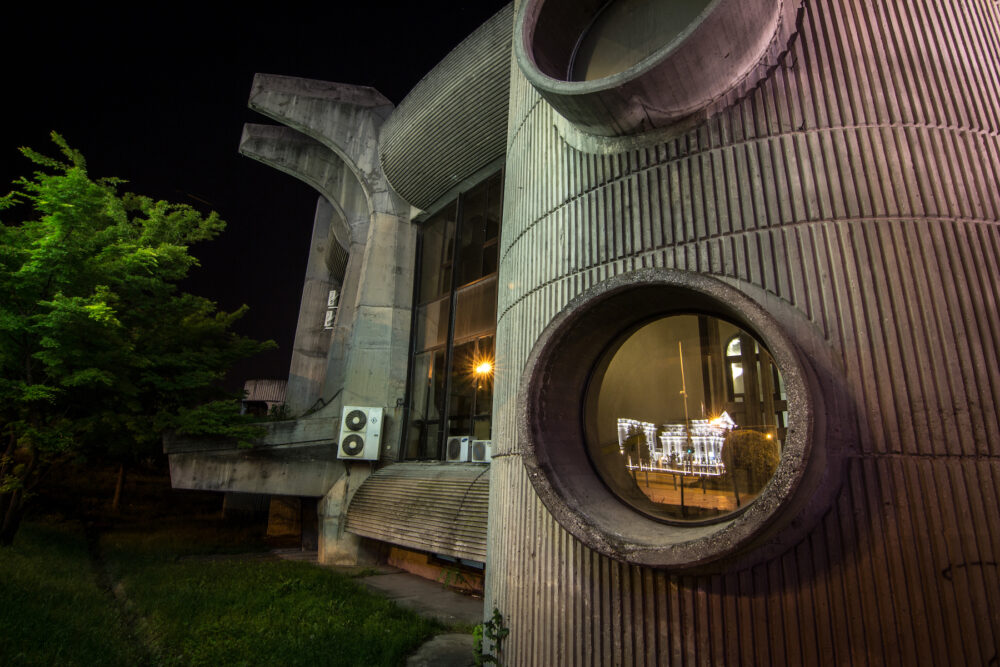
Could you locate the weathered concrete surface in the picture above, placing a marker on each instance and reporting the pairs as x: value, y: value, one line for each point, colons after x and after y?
x: 343, y: 117
x: 308, y: 470
x: 450, y: 650
x: 336, y: 150
x: 336, y: 545
x: 330, y: 142
x: 857, y: 185
x: 307, y: 372
x: 312, y: 163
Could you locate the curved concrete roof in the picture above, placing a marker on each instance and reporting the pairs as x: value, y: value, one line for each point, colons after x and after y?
x: 454, y: 122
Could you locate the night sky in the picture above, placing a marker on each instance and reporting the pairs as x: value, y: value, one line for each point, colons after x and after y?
x: 157, y: 96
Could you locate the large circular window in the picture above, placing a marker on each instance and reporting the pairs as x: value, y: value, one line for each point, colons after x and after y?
x: 669, y: 420
x: 617, y: 67
x: 685, y: 417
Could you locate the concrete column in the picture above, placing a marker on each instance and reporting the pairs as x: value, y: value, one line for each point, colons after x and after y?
x: 307, y: 373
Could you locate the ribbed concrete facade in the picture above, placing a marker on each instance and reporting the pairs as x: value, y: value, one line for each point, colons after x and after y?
x: 856, y: 185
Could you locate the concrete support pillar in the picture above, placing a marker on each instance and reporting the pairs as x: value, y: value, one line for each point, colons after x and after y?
x: 336, y: 545
x: 244, y: 505
x: 332, y: 144
x: 312, y: 341
x: 284, y: 518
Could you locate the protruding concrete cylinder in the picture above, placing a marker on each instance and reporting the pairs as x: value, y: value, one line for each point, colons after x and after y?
x: 853, y: 195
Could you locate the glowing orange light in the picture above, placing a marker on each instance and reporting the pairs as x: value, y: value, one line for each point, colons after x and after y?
x: 769, y: 436
x: 484, y: 368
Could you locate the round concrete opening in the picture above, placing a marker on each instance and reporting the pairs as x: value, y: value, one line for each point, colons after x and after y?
x: 560, y: 390
x: 625, y: 66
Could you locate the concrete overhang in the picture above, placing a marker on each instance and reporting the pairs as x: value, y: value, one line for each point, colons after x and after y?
x: 453, y: 124
x: 294, y: 458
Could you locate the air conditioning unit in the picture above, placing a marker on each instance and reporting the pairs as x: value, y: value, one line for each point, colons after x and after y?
x: 457, y: 448
x: 482, y: 451
x: 360, y: 433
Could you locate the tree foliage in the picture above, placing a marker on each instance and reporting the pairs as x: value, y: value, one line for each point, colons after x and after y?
x: 99, y: 349
x: 752, y: 452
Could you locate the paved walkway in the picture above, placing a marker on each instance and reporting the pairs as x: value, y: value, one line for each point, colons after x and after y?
x: 427, y: 598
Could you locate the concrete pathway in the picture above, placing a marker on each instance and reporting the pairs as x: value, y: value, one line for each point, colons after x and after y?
x: 428, y: 599
x: 452, y: 650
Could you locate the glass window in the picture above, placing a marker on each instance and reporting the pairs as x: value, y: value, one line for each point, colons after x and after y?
x: 681, y: 430
x: 476, y: 309
x: 426, y: 406
x: 431, y: 324
x: 470, y: 250
x: 464, y: 235
x: 436, y: 249
x: 471, y: 401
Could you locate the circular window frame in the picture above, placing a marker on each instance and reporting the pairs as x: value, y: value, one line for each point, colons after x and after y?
x: 731, y: 45
x: 552, y: 433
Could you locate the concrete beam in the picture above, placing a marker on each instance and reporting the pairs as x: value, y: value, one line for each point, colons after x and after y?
x: 291, y: 470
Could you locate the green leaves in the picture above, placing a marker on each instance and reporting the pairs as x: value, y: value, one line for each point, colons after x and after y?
x: 214, y: 419
x: 98, y: 347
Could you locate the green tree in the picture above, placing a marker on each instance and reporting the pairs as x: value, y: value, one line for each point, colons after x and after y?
x: 100, y: 351
x: 753, y: 453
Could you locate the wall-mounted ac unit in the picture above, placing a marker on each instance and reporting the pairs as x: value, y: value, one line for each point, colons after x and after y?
x: 360, y: 433
x: 481, y: 451
x: 457, y: 448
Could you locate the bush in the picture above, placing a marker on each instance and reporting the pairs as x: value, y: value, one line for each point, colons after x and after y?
x: 753, y: 453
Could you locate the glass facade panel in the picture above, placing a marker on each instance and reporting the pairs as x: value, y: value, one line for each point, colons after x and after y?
x: 437, y: 247
x: 471, y: 401
x: 470, y: 249
x: 426, y: 406
x: 476, y: 309
x: 431, y: 324
x: 464, y: 235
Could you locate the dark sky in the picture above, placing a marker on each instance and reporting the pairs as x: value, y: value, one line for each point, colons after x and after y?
x: 157, y: 96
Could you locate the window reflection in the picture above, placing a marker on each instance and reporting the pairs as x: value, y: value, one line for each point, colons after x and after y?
x: 454, y: 322
x: 686, y: 417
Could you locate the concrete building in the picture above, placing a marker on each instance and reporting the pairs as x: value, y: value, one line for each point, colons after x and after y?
x: 782, y: 210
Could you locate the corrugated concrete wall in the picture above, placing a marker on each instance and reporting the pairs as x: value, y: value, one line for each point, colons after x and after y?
x: 451, y: 124
x: 859, y: 184
x: 440, y: 508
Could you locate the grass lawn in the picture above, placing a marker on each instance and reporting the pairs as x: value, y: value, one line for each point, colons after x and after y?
x: 52, y: 611
x: 183, y: 610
